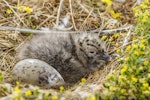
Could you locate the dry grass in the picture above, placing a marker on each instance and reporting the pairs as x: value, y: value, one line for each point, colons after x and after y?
x: 85, y: 15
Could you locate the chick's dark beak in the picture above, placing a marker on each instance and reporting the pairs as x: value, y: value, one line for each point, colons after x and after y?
x: 102, y: 57
x: 106, y: 57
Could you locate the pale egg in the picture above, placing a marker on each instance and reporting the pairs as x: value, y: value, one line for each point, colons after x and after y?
x: 37, y: 72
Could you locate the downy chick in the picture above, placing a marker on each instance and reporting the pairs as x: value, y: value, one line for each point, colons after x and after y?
x: 72, y: 55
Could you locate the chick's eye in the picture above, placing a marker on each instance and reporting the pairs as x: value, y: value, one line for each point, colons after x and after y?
x: 92, y: 52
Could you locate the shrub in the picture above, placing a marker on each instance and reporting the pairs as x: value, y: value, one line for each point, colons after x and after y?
x: 133, y: 80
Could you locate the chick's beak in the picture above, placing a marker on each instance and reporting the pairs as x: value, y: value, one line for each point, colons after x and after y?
x: 106, y: 57
x: 102, y: 57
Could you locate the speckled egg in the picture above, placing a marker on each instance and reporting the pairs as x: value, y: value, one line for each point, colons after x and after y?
x: 37, y: 72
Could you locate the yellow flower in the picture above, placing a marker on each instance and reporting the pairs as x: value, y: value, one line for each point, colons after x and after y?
x: 92, y: 98
x: 16, y: 89
x: 116, y: 35
x: 143, y: 6
x: 146, y: 63
x: 141, y: 68
x: 17, y: 83
x: 142, y: 46
x: 112, y: 88
x: 8, y: 11
x: 83, y: 81
x: 121, y: 78
x: 61, y: 88
x: 115, y: 15
x: 135, y: 46
x: 128, y: 48
x: 146, y: 2
x: 28, y: 10
x: 145, y: 18
x: 54, y: 97
x: 136, y: 11
x: 22, y: 8
x: 146, y: 92
x: 142, y: 53
x: 118, y: 51
x: 143, y: 41
x: 104, y: 37
x: 134, y: 79
x: 109, y: 76
x: 145, y: 85
x: 127, y: 59
x: 108, y: 2
x: 136, y: 53
x: 124, y: 69
x: 123, y: 91
x: 28, y: 93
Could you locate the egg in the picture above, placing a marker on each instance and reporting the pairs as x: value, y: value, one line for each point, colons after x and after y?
x: 37, y: 72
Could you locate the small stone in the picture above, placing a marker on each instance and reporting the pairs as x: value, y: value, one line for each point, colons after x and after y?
x: 37, y: 72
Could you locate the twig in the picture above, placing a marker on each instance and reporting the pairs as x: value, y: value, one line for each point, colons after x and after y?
x: 85, y: 9
x: 122, y: 46
x: 74, y: 25
x: 112, y: 31
x: 44, y: 21
x: 87, y: 17
x: 58, y: 13
x: 137, y: 2
x: 102, y: 24
x: 25, y: 30
x: 9, y: 97
x: 101, y: 27
x: 126, y: 38
x: 5, y: 19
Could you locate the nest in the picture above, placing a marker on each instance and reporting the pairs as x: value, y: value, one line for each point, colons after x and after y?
x: 85, y: 15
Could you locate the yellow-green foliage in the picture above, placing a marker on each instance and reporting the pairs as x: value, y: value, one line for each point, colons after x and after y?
x: 1, y: 76
x: 109, y: 9
x: 133, y: 80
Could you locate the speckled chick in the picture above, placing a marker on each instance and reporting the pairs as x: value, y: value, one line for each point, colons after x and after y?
x: 72, y: 55
x: 37, y: 72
